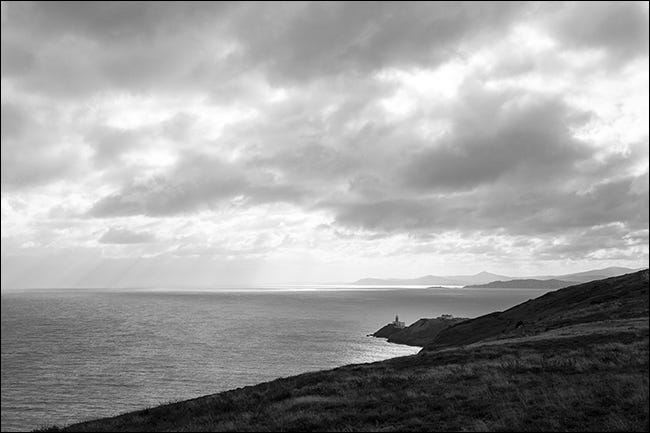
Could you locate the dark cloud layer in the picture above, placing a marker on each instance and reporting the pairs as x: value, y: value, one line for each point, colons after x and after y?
x: 522, y: 138
x: 618, y: 28
x: 137, y: 46
x: 197, y: 182
x: 532, y: 211
x: 301, y: 43
x: 32, y: 154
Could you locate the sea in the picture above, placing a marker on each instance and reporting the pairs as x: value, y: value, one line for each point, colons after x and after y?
x: 78, y: 354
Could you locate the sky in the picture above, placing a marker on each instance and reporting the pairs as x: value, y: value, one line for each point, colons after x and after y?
x: 208, y: 144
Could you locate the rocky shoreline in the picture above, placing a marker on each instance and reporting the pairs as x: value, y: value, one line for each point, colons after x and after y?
x: 420, y: 333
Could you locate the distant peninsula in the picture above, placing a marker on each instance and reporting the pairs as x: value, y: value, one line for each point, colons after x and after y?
x: 433, y: 280
x: 488, y: 277
x: 524, y: 284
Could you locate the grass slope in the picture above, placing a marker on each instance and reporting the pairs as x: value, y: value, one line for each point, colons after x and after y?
x: 612, y: 298
x: 589, y: 375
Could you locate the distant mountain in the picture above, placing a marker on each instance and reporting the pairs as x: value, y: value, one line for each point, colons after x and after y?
x: 487, y: 277
x: 480, y: 278
x: 432, y: 280
x: 525, y: 284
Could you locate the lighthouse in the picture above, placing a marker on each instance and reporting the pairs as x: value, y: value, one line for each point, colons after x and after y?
x: 397, y: 323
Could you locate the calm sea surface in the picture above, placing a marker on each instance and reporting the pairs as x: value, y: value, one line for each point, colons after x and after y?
x: 73, y: 355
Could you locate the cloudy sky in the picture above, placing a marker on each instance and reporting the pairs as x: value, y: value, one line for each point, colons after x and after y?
x: 202, y: 144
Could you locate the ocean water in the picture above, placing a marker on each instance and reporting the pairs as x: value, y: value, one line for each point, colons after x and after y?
x: 72, y: 355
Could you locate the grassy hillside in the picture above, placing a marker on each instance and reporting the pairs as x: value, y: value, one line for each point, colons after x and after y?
x: 612, y: 298
x: 588, y: 371
x: 595, y: 274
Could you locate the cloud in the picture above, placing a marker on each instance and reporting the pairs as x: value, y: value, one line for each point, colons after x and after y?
x: 198, y: 47
x: 611, y: 239
x: 521, y: 138
x: 183, y: 190
x: 197, y: 182
x: 531, y: 211
x: 115, y: 235
x: 620, y: 29
x: 32, y: 154
x: 14, y: 120
x: 368, y: 36
x: 110, y: 143
x: 501, y: 131
x: 127, y: 46
x: 510, y: 161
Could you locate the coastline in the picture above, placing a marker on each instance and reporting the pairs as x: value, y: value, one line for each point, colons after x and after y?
x: 587, y: 374
x: 462, y: 386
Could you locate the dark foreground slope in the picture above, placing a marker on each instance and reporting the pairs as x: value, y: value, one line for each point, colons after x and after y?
x: 585, y: 376
x: 612, y: 298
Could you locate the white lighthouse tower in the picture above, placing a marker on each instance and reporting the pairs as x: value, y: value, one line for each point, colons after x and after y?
x: 397, y: 323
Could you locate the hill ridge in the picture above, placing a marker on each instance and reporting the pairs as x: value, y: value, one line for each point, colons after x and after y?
x: 611, y: 298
